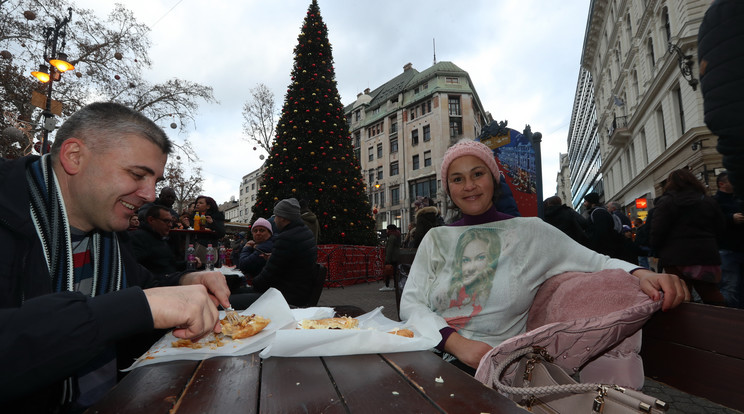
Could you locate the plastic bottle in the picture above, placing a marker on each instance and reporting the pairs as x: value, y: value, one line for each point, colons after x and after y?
x: 190, y: 258
x: 197, y: 221
x: 210, y: 257
x: 203, y: 221
x: 223, y: 256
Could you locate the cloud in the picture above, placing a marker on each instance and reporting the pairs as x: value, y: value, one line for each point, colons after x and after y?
x: 522, y: 56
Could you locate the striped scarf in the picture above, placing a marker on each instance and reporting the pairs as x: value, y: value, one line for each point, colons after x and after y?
x: 50, y: 219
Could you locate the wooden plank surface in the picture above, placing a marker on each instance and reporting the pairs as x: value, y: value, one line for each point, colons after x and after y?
x: 369, y: 384
x: 457, y: 393
x: 223, y: 385
x: 297, y: 385
x: 694, y: 371
x: 706, y: 327
x: 149, y: 389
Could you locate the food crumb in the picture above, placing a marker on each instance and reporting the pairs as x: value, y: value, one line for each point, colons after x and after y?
x: 298, y: 383
x: 395, y: 393
x: 439, y: 380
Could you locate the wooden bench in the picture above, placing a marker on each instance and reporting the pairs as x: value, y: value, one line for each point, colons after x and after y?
x: 698, y: 349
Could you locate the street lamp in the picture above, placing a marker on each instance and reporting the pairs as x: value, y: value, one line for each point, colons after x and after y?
x: 57, y: 65
x: 685, y: 65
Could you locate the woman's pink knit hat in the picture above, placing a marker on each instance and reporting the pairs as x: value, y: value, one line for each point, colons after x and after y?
x: 262, y: 222
x: 469, y: 147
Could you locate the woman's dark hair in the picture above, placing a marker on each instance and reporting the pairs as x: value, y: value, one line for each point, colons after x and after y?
x: 210, y: 202
x: 683, y: 179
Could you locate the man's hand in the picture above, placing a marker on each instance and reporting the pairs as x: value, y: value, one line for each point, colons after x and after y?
x: 189, y: 309
x: 466, y: 350
x: 675, y: 290
x: 214, y: 282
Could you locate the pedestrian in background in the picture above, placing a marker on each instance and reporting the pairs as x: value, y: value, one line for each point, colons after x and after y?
x: 566, y: 219
x: 392, y: 252
x: 731, y: 244
x: 687, y: 224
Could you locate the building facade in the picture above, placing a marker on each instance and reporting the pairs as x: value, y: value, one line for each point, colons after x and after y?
x: 584, y: 160
x: 401, y: 130
x: 248, y: 194
x: 649, y: 113
x: 563, y: 180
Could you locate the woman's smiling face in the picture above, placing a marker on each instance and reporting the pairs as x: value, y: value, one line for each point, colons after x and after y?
x: 471, y: 185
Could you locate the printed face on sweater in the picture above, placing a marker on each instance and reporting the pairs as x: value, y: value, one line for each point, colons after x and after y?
x: 103, y: 187
x: 474, y: 260
x: 470, y: 185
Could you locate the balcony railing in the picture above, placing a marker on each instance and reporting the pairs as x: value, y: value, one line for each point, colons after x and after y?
x: 619, y: 133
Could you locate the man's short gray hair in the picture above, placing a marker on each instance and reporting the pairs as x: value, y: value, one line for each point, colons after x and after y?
x: 102, y: 125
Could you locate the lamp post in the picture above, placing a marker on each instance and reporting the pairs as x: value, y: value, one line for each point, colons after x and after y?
x: 52, y: 72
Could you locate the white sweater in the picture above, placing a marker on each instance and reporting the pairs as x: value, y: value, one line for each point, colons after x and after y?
x: 525, y: 252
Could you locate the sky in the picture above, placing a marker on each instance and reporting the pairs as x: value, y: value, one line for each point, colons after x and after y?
x: 523, y: 57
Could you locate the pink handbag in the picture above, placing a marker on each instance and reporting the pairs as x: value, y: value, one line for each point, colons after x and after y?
x: 543, y: 387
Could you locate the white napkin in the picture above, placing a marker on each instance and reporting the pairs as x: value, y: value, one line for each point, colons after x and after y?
x: 372, y: 337
x: 270, y: 305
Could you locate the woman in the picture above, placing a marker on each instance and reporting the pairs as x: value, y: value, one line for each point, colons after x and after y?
x: 214, y: 223
x: 255, y: 252
x: 687, y: 224
x: 530, y: 252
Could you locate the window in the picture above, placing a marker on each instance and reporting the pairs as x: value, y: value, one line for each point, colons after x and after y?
x: 416, y: 162
x: 454, y: 105
x: 382, y: 199
x: 680, y: 109
x: 425, y: 188
x: 357, y: 139
x: 371, y: 153
x: 394, y: 168
x: 427, y: 158
x: 455, y: 127
x: 413, y: 114
x: 452, y: 80
x: 393, y: 145
x: 667, y: 26
x: 414, y: 137
x: 357, y: 115
x: 661, y: 128
x: 427, y: 133
x: 371, y: 177
x: 379, y: 151
x: 379, y: 173
x: 650, y: 51
x: 393, y: 125
x: 394, y: 196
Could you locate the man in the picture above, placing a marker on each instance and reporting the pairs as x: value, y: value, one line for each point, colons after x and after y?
x: 616, y: 209
x: 69, y: 291
x: 731, y: 245
x: 392, y: 254
x: 721, y: 56
x: 602, y: 235
x: 150, y: 246
x: 291, y: 265
x: 309, y: 218
x: 166, y: 199
x: 566, y: 219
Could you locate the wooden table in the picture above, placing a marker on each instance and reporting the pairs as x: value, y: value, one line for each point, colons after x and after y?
x: 386, y: 383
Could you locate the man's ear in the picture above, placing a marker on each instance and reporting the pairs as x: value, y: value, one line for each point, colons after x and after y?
x: 71, y: 155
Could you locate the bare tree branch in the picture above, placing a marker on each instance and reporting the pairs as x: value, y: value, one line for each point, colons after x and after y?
x: 259, y: 113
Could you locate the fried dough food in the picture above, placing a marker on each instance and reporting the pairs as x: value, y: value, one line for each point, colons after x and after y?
x: 330, y: 323
x: 247, y: 326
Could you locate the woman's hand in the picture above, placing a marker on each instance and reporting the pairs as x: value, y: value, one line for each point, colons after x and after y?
x: 209, y: 220
x: 468, y: 351
x: 675, y: 289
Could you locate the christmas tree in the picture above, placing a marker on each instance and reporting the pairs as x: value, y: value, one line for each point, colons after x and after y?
x: 312, y: 157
